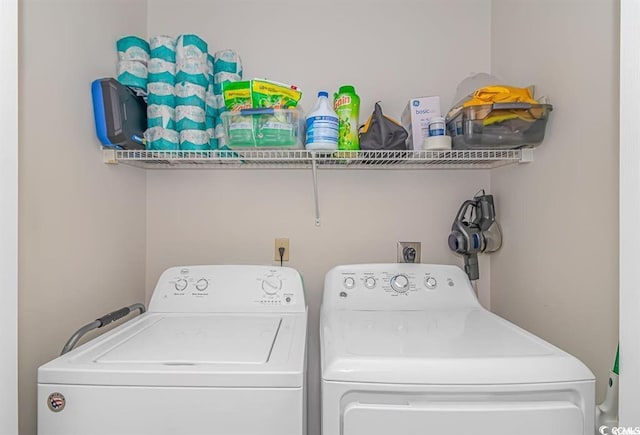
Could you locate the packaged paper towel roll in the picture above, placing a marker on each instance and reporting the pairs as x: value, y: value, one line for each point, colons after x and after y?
x: 191, y: 46
x: 132, y: 73
x: 222, y: 77
x: 190, y: 118
x: 159, y: 115
x: 133, y: 48
x: 195, y: 140
x: 220, y: 135
x: 161, y: 93
x: 213, y: 142
x: 161, y: 71
x: 159, y: 138
x: 227, y: 61
x: 193, y: 70
x: 218, y: 104
x: 210, y: 61
x: 190, y: 94
x: 163, y: 47
x: 210, y: 124
x: 210, y: 105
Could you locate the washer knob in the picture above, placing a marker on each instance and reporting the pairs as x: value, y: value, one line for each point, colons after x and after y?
x: 271, y: 285
x: 202, y: 284
x: 349, y: 283
x: 181, y: 284
x: 370, y: 282
x: 400, y: 283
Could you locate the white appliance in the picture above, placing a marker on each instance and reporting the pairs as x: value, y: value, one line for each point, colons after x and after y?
x: 221, y: 350
x: 407, y: 349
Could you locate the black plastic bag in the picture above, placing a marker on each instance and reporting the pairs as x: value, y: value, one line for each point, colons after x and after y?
x: 382, y: 133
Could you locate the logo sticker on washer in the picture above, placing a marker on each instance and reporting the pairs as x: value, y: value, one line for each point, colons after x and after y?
x: 56, y: 402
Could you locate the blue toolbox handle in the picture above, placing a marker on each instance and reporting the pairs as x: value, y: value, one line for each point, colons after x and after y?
x: 265, y: 111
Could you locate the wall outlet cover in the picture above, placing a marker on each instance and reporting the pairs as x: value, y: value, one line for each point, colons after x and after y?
x: 281, y: 243
x: 408, y: 252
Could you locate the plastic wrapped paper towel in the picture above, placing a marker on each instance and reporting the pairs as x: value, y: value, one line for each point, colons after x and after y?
x: 211, y: 108
x: 194, y: 140
x: 193, y: 70
x: 227, y: 61
x: 132, y: 73
x: 190, y: 46
x: 190, y: 118
x: 190, y: 94
x: 161, y: 93
x: 210, y: 61
x: 163, y: 47
x: 161, y: 71
x: 159, y: 139
x: 133, y: 48
x: 210, y: 124
x: 159, y: 115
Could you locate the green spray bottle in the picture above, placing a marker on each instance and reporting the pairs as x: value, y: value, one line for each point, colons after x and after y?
x: 346, y: 104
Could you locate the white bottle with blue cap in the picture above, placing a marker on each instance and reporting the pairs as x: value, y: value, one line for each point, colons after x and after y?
x: 322, y: 125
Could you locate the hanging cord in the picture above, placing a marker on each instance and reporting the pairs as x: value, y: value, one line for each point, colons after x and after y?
x: 281, y: 251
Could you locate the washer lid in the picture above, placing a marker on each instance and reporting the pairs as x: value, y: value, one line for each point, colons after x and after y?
x: 190, y: 350
x: 199, y: 340
x: 468, y: 346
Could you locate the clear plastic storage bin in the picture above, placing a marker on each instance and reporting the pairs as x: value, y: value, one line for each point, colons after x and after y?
x: 264, y: 129
x: 499, y: 126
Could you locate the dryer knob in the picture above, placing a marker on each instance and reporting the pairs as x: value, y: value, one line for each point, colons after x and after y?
x: 400, y: 283
x: 349, y: 283
x: 430, y: 282
x: 202, y: 284
x: 370, y: 282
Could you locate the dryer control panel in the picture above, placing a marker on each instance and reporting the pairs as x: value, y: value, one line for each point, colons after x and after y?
x: 209, y: 289
x: 397, y: 286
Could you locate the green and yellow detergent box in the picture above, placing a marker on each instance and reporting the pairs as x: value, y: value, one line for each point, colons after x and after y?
x: 278, y: 129
x: 237, y: 97
x: 272, y: 129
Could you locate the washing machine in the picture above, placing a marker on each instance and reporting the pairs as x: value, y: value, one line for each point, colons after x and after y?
x: 407, y: 349
x: 221, y: 350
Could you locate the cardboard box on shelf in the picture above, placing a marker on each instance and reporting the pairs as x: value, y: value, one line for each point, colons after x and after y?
x: 415, y: 119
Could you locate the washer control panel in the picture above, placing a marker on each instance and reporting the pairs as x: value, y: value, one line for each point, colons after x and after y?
x: 228, y: 289
x: 397, y: 286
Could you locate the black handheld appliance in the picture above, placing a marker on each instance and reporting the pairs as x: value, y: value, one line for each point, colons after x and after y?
x: 475, y: 230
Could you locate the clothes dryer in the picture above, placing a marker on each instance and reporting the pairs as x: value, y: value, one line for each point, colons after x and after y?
x: 407, y: 349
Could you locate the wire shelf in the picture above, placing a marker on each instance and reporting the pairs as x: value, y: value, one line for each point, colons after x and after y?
x: 237, y: 159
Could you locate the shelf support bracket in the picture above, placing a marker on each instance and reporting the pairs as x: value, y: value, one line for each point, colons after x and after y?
x: 526, y: 155
x: 314, y: 170
x: 109, y: 156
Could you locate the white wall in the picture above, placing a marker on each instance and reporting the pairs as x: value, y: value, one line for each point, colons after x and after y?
x: 9, y: 217
x: 390, y: 51
x: 82, y: 236
x: 557, y: 273
x: 629, y: 213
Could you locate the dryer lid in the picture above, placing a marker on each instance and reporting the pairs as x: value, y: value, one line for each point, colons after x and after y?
x: 468, y: 346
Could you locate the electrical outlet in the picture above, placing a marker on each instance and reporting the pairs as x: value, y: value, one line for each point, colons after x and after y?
x: 408, y: 252
x: 281, y: 243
